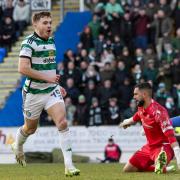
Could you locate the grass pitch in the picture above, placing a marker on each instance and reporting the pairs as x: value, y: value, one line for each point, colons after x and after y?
x: 88, y: 172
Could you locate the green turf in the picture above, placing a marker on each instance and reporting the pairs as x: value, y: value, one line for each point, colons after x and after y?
x: 88, y: 172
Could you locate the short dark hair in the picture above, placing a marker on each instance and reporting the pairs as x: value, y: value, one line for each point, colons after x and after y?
x: 145, y: 86
x: 38, y: 15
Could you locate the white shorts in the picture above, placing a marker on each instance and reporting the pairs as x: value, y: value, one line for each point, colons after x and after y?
x: 33, y: 104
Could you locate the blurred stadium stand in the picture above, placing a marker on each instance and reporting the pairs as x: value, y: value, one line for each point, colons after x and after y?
x: 67, y: 37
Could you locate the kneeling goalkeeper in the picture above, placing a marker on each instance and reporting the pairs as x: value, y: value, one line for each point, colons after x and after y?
x: 161, y: 144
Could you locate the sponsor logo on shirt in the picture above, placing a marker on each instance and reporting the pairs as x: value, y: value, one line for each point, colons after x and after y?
x: 51, y: 53
x: 49, y: 60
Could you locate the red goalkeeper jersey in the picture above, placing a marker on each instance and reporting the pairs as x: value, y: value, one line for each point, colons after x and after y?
x: 156, y: 123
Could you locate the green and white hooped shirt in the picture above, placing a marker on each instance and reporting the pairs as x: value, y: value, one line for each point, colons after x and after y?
x: 42, y: 54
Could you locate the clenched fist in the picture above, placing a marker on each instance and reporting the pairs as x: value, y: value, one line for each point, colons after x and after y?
x: 63, y: 91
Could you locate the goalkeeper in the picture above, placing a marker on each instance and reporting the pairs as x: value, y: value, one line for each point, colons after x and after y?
x: 161, y: 144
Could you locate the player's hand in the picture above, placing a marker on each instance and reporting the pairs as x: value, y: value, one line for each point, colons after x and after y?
x: 53, y: 79
x: 125, y: 124
x: 142, y: 132
x: 178, y: 161
x: 63, y: 91
x: 177, y: 155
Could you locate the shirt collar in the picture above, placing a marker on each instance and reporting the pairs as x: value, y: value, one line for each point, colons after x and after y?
x: 40, y: 37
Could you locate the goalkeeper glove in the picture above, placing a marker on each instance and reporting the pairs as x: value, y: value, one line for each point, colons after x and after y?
x: 126, y: 123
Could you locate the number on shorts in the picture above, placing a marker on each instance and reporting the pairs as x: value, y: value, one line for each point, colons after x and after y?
x: 56, y: 93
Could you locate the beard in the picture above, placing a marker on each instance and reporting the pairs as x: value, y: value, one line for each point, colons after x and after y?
x: 140, y: 103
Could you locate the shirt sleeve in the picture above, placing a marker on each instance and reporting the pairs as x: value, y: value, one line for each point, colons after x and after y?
x: 26, y: 50
x: 162, y: 117
x: 136, y: 117
x: 166, y: 126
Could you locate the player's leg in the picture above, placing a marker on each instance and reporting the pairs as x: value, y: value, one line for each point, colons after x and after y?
x: 160, y: 162
x: 130, y: 168
x: 151, y: 168
x: 58, y: 114
x: 162, y: 156
x: 56, y: 109
x: 22, y: 134
x: 32, y: 108
x: 139, y: 161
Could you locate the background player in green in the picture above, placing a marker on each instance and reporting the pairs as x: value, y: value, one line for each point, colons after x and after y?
x: 41, y: 89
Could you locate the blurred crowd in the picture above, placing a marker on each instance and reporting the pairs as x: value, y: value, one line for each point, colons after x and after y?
x: 126, y: 42
x: 14, y: 17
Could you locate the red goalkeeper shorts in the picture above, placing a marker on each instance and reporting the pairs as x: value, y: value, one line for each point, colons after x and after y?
x: 146, y: 156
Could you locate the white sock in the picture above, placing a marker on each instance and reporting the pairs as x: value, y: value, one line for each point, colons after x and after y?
x: 66, y: 147
x: 21, y: 137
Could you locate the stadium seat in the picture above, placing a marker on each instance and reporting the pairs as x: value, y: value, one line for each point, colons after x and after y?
x: 2, y: 54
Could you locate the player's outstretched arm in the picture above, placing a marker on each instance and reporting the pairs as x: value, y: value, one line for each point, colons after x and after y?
x: 168, y: 131
x: 174, y: 144
x: 25, y: 69
x: 176, y: 149
x: 126, y: 123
